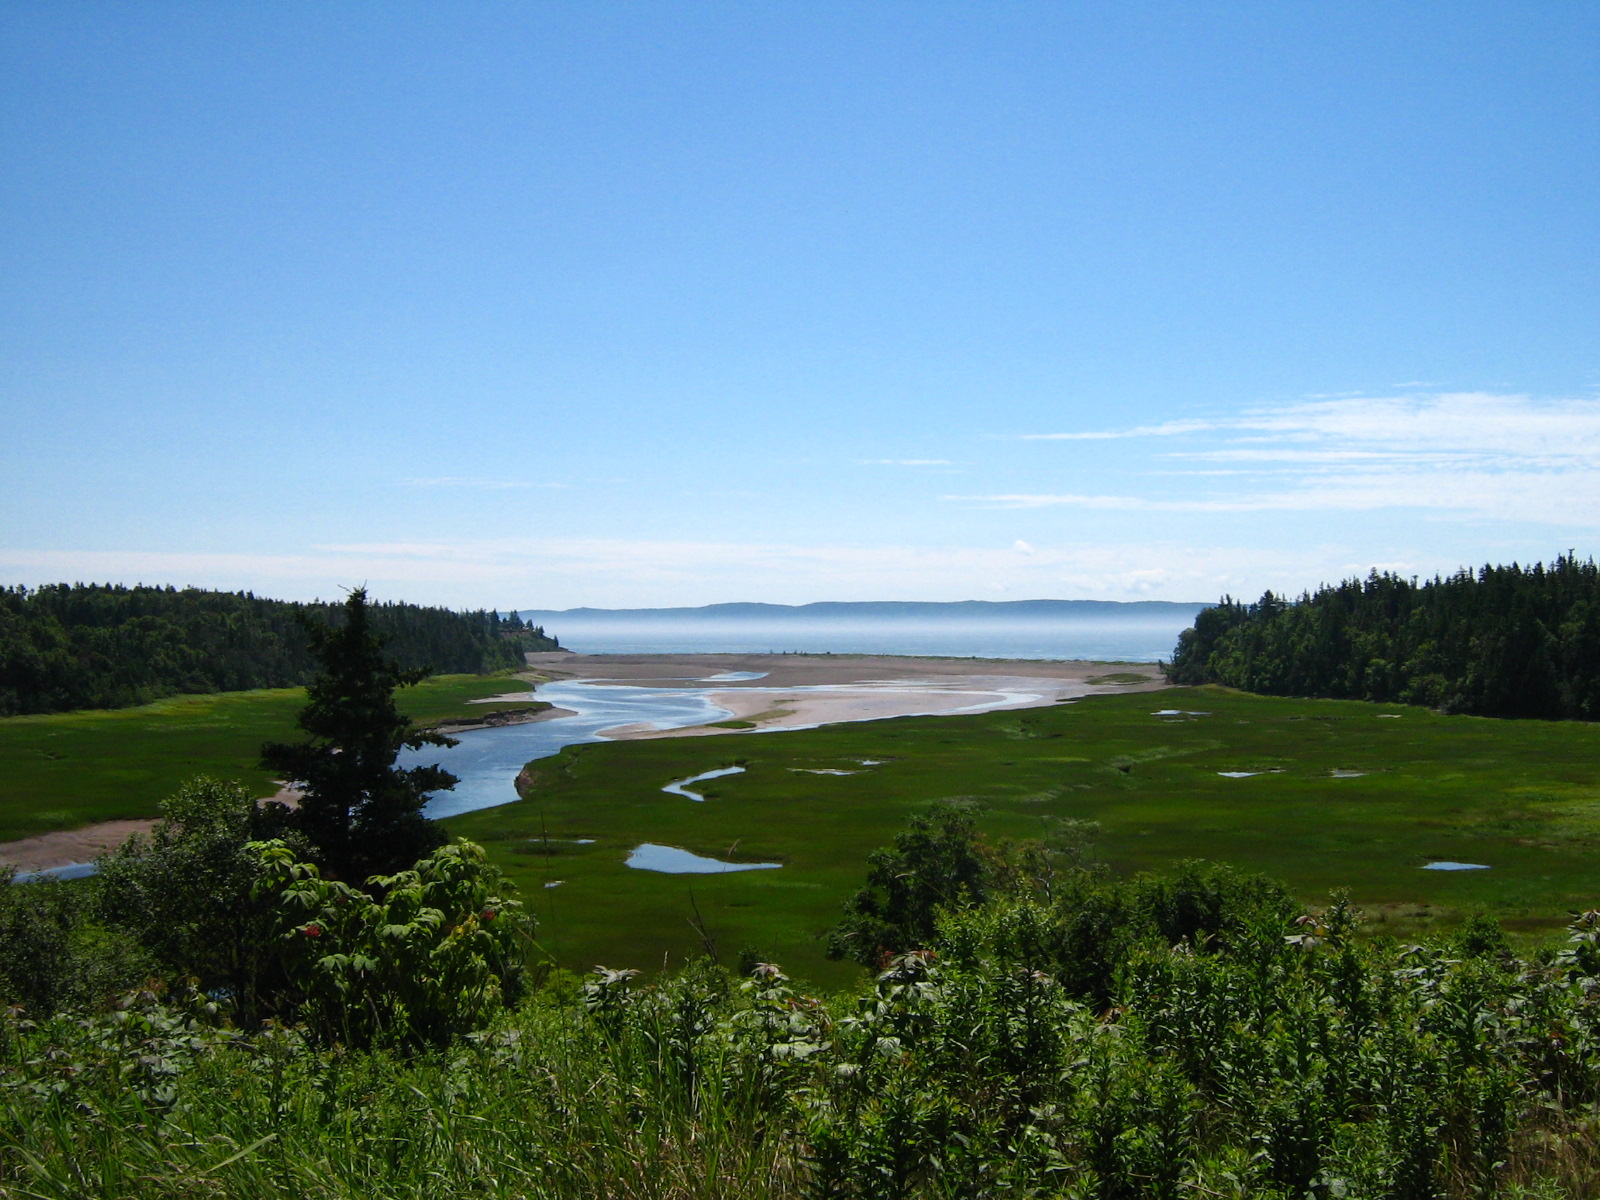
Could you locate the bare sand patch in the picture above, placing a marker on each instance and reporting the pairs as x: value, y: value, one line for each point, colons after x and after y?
x: 796, y: 691
x: 70, y: 845
x: 58, y: 849
x: 800, y: 670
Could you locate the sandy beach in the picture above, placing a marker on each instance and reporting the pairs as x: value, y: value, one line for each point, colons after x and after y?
x: 796, y: 690
x: 64, y: 846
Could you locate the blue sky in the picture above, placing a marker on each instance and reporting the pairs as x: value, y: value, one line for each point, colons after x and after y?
x: 560, y: 304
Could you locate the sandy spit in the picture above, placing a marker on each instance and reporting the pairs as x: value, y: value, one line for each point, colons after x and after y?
x: 496, y: 720
x: 70, y: 845
x: 799, y: 690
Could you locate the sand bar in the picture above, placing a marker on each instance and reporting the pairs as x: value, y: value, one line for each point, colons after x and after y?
x: 64, y: 846
x: 800, y: 690
x: 69, y: 845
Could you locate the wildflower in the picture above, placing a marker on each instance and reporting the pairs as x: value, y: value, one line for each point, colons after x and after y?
x: 312, y: 930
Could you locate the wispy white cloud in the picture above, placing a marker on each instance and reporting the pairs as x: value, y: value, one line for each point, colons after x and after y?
x: 1492, y: 427
x: 1049, y: 500
x: 457, y: 481
x: 1478, y: 455
x: 561, y: 573
x: 1166, y: 429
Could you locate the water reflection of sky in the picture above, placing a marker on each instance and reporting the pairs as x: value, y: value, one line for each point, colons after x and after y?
x: 487, y: 761
x: 672, y: 861
x: 1132, y: 637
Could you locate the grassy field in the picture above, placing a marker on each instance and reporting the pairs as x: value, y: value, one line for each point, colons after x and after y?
x: 1414, y: 786
x: 65, y: 770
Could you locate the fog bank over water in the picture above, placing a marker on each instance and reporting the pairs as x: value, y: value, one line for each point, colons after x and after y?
x: 1041, y: 629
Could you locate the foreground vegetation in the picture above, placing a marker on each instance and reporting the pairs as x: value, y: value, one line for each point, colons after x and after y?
x: 1191, y: 1033
x: 66, y: 770
x: 1348, y: 794
x: 1503, y: 642
x: 80, y: 646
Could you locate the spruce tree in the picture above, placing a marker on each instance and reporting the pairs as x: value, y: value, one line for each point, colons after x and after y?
x: 361, y: 812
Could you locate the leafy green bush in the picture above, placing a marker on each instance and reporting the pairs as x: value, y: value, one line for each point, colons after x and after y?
x: 934, y: 863
x: 1314, y: 1063
x: 430, y: 953
x: 186, y: 894
x: 54, y: 954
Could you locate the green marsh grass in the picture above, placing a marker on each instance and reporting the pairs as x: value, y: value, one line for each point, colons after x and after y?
x: 1415, y: 786
x: 66, y: 770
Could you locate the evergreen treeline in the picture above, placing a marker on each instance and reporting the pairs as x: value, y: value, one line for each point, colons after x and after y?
x: 1502, y: 642
x: 71, y: 646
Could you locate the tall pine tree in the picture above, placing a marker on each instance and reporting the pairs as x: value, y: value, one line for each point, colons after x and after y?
x: 363, y: 813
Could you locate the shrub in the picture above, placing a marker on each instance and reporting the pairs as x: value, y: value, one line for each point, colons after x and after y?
x: 431, y: 952
x: 186, y: 894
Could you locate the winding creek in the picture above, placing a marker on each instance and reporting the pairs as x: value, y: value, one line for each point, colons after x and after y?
x: 487, y: 761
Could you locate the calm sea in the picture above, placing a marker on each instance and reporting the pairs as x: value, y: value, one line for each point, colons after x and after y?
x: 1143, y: 638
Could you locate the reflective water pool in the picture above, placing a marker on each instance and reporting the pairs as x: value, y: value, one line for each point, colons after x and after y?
x: 680, y: 787
x: 673, y: 861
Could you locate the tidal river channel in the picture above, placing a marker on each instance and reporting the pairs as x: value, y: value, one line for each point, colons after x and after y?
x: 487, y: 761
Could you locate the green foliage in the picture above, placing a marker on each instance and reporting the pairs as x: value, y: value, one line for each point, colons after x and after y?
x: 939, y: 865
x: 64, y: 770
x: 361, y: 813
x: 421, y: 956
x: 1270, y: 1053
x: 1504, y: 642
x: 934, y: 863
x: 186, y: 893
x: 54, y: 954
x: 78, y: 646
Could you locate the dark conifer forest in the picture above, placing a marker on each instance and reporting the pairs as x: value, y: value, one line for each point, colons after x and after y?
x: 1502, y: 642
x: 72, y: 646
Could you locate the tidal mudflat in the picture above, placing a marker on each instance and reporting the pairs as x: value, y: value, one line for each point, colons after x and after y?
x: 634, y: 697
x: 73, y: 785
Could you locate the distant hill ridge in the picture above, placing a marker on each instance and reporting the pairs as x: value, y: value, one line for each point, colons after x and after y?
x: 883, y: 609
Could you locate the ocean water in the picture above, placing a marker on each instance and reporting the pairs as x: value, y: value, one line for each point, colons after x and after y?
x: 1142, y: 639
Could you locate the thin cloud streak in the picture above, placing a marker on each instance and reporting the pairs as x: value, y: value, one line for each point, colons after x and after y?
x: 561, y: 573
x: 1476, y: 455
x: 1567, y: 499
x: 453, y: 481
x: 1477, y: 422
x: 1167, y: 429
